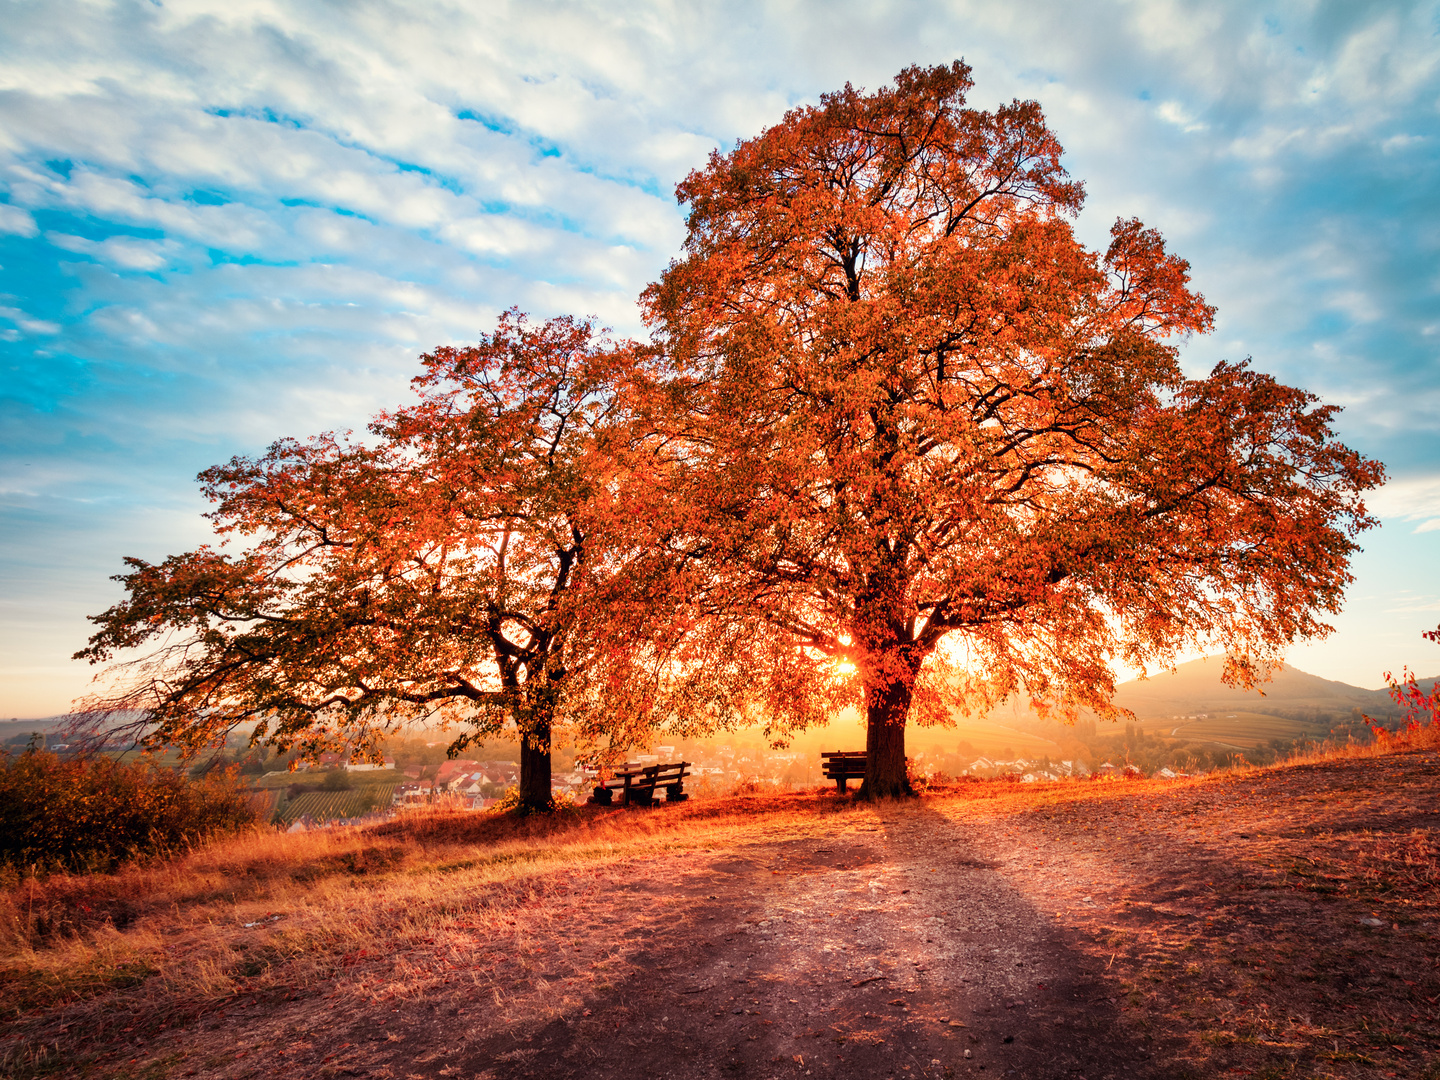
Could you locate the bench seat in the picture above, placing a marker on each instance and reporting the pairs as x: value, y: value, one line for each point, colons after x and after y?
x: 637, y: 784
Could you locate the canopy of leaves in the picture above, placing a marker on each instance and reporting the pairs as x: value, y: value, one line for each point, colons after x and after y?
x: 908, y: 406
x: 900, y: 440
x: 436, y: 569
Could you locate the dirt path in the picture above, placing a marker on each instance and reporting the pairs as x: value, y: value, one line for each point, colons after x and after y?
x: 1277, y: 924
x: 886, y: 946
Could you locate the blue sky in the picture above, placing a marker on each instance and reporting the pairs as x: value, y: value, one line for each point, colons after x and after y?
x: 224, y: 222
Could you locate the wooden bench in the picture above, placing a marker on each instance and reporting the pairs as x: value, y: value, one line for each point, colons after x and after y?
x: 842, y: 765
x: 637, y: 783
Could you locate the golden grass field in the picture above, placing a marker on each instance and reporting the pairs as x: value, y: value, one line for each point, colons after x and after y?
x: 1241, y: 730
x: 1275, y: 922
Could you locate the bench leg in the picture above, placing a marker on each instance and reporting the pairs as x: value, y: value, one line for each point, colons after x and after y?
x: 840, y: 784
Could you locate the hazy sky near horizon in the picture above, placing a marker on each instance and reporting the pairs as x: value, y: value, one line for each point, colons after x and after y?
x: 226, y: 222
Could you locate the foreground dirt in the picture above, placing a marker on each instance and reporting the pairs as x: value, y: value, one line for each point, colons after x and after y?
x: 1276, y: 923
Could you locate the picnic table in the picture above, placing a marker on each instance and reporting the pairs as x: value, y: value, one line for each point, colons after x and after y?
x: 637, y: 784
x: 843, y: 765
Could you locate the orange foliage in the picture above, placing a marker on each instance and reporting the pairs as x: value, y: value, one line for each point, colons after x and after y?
x: 438, y: 569
x: 1422, y: 710
x: 909, y: 406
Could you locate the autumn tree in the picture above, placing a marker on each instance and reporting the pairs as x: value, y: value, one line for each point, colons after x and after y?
x: 1421, y: 709
x: 936, y: 451
x: 437, y: 568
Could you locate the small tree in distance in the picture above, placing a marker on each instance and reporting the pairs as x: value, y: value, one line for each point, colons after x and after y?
x: 929, y: 450
x: 1421, y: 709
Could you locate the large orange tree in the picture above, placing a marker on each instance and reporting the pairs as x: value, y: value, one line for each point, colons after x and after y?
x: 450, y: 565
x: 932, y: 450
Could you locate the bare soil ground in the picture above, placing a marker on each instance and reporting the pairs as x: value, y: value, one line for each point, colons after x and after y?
x: 1279, y: 923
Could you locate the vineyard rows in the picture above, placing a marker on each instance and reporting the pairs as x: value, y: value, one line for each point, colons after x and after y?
x: 328, y: 805
x: 1244, y: 729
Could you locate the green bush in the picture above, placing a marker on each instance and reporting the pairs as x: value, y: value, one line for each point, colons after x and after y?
x: 89, y: 814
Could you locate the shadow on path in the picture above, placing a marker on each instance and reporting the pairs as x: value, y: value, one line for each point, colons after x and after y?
x: 888, y: 946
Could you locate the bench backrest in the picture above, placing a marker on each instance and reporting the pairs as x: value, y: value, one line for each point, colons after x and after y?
x: 669, y: 771
x: 846, y: 763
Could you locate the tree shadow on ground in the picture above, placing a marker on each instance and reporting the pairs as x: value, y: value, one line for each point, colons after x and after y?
x: 888, y: 947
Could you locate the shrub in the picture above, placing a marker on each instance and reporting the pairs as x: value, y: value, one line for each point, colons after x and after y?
x: 90, y: 814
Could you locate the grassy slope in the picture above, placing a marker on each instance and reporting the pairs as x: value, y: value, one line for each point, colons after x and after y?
x: 1196, y: 927
x: 356, y: 779
x: 1237, y: 719
x: 1197, y: 687
x: 329, y: 805
x: 1238, y: 729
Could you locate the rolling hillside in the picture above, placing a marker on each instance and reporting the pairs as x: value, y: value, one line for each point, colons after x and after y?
x: 1241, y: 730
x: 1196, y: 687
x: 1192, y: 707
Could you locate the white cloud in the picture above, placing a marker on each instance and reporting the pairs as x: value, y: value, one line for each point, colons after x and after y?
x: 17, y: 221
x: 126, y: 252
x: 24, y: 324
x: 1411, y: 498
x: 1414, y: 605
x: 1172, y: 112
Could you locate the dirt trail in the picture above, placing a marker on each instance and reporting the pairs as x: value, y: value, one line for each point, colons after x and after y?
x: 877, y: 941
x: 889, y: 945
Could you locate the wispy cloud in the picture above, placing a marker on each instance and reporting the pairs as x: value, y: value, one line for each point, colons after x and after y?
x: 15, y: 220
x: 1412, y: 498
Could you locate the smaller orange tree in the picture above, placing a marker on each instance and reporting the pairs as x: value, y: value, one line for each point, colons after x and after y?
x: 449, y: 566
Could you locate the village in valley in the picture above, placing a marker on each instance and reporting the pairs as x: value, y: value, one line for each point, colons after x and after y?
x: 1187, y: 723
x: 332, y: 791
x: 475, y: 784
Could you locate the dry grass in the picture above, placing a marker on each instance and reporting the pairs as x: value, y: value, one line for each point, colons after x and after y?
x: 264, y: 913
x: 508, y: 906
x: 1278, y: 921
x: 323, y: 895
x: 1414, y: 737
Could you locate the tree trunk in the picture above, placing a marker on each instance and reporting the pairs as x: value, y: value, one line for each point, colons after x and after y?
x: 535, y: 767
x: 886, y: 710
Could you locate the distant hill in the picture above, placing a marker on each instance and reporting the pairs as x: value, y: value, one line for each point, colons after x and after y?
x: 1196, y: 687
x: 17, y: 732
